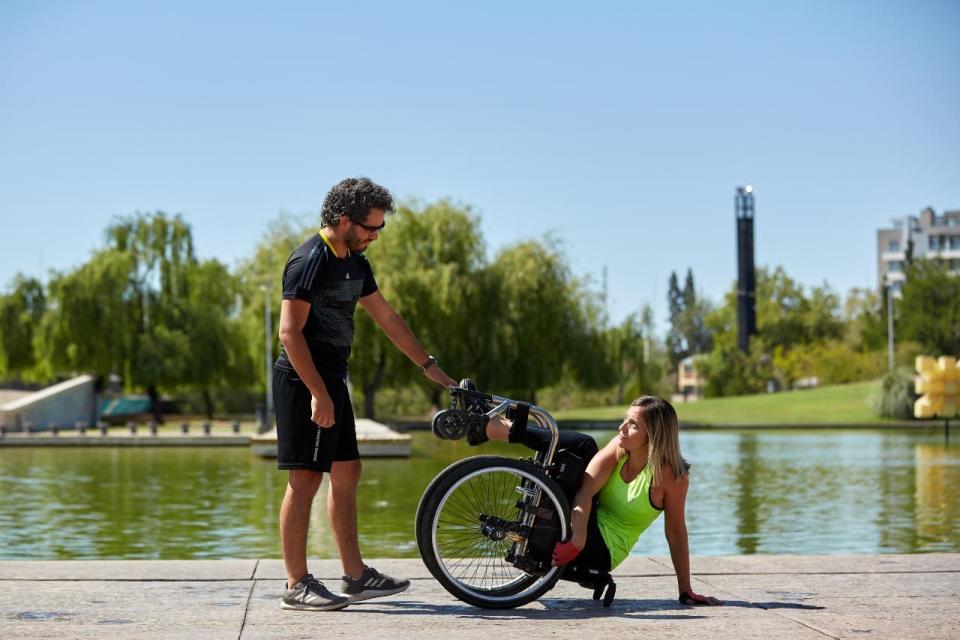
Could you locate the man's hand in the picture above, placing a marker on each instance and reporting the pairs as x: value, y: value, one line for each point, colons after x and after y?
x: 565, y: 552
x: 691, y: 598
x: 322, y: 410
x: 438, y: 375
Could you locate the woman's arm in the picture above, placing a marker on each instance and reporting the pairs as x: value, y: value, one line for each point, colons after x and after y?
x: 598, y: 471
x: 675, y: 530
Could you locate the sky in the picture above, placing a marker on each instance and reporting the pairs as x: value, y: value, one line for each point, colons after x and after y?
x: 623, y: 128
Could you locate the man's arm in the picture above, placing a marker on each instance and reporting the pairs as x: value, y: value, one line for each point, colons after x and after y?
x: 293, y: 316
x: 399, y: 333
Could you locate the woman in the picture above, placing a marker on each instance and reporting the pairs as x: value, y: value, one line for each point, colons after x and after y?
x: 637, y: 476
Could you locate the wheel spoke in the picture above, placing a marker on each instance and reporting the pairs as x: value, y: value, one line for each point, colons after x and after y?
x: 473, y: 564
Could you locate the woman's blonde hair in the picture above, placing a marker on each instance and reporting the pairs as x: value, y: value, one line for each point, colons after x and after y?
x: 659, y: 418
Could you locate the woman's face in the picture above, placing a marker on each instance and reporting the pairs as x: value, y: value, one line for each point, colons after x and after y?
x: 633, y: 435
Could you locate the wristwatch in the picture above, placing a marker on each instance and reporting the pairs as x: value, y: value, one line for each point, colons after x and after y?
x: 429, y: 362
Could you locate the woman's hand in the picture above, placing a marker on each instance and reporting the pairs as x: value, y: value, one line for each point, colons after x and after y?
x: 565, y: 552
x: 691, y: 598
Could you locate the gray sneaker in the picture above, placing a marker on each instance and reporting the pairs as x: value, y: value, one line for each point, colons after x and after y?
x: 309, y: 594
x: 372, y: 584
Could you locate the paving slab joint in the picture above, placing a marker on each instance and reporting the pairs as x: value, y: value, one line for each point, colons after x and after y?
x: 770, y: 610
x: 246, y: 608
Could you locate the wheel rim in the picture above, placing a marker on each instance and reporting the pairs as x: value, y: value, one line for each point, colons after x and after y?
x: 475, y: 562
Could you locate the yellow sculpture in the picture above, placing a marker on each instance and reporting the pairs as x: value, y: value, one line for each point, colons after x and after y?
x: 939, y: 382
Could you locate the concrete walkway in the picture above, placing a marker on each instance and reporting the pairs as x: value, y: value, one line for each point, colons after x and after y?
x: 768, y: 597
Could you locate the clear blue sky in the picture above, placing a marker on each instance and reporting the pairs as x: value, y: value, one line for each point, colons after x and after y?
x: 623, y: 127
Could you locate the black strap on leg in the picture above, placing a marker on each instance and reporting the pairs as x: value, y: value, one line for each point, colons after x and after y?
x: 519, y: 426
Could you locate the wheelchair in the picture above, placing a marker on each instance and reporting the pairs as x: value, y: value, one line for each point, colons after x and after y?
x: 486, y: 526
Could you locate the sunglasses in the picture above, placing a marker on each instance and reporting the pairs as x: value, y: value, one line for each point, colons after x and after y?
x: 370, y: 229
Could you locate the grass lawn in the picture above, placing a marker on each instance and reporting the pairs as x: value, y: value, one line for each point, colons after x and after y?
x: 836, y: 404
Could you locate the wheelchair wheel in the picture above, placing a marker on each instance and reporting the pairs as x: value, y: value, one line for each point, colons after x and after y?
x: 478, y: 512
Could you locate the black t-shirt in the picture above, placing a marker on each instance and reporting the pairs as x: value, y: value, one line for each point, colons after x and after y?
x: 332, y: 286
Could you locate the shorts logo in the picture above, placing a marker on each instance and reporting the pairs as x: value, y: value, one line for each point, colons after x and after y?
x: 316, y: 446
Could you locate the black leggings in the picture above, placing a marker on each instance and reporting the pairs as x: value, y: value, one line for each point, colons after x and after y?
x: 595, y: 554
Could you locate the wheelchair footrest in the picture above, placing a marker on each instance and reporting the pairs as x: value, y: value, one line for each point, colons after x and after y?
x: 611, y: 590
x: 600, y: 582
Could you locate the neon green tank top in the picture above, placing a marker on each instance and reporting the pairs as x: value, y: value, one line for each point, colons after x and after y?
x: 624, y: 512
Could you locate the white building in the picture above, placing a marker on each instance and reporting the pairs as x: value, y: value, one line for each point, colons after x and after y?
x: 925, y: 236
x: 62, y: 405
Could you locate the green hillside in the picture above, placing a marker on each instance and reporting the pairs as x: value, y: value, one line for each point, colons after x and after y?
x: 836, y: 404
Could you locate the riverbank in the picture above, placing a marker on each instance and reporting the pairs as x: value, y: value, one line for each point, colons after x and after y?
x: 883, y: 596
x: 841, y: 404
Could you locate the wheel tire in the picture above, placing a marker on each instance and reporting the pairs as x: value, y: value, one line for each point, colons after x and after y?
x: 428, y: 504
x: 490, y: 482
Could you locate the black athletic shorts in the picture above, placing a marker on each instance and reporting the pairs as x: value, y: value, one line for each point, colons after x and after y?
x: 301, y: 444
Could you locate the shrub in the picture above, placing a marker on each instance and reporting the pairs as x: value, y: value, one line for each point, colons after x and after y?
x: 895, y: 397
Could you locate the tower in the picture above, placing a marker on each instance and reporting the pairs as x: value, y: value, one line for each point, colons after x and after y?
x: 746, y: 285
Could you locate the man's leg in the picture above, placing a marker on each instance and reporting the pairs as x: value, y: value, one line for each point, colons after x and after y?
x: 360, y: 582
x: 342, y: 511
x: 302, y: 486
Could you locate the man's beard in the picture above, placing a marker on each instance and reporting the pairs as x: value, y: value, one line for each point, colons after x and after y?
x: 353, y: 242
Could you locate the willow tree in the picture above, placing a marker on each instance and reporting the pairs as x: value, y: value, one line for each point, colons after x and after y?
x: 426, y: 263
x: 20, y: 313
x: 145, y: 308
x: 547, y: 322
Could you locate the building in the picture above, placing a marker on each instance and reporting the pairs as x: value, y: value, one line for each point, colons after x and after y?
x: 690, y: 381
x: 925, y: 236
x: 64, y: 404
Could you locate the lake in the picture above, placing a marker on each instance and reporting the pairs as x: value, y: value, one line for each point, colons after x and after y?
x: 752, y: 492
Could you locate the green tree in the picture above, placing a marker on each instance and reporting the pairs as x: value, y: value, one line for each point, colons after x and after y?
x: 260, y: 276
x: 864, y: 315
x: 89, y: 324
x: 728, y: 371
x: 543, y: 324
x: 689, y: 333
x: 929, y: 312
x: 20, y: 314
x: 429, y: 267
x: 787, y: 318
x: 626, y: 343
x: 217, y: 353
x: 675, y: 344
x: 146, y: 308
x: 693, y: 319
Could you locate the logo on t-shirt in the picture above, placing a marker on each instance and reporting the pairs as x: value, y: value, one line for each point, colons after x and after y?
x: 348, y: 275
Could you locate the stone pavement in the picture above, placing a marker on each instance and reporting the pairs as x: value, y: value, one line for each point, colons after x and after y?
x: 816, y: 597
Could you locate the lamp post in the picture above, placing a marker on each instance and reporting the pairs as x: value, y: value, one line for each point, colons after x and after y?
x: 268, y: 358
x: 889, y: 324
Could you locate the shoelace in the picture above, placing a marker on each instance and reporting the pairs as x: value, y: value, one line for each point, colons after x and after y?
x: 312, y: 584
x: 369, y: 573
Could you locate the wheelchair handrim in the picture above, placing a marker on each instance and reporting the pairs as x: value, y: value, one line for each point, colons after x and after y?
x: 521, y: 576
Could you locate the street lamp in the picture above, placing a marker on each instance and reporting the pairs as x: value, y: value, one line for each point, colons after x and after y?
x: 889, y: 322
x: 268, y: 358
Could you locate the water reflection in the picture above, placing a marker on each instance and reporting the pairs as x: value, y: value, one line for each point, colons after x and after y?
x: 751, y: 492
x: 747, y: 469
x: 937, y: 493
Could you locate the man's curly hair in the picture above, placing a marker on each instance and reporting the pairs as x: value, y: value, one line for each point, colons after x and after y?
x: 354, y: 198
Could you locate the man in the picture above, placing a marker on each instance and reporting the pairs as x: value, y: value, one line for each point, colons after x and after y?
x: 322, y: 282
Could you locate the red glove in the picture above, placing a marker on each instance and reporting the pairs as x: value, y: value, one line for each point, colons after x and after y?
x: 689, y: 597
x: 564, y: 553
